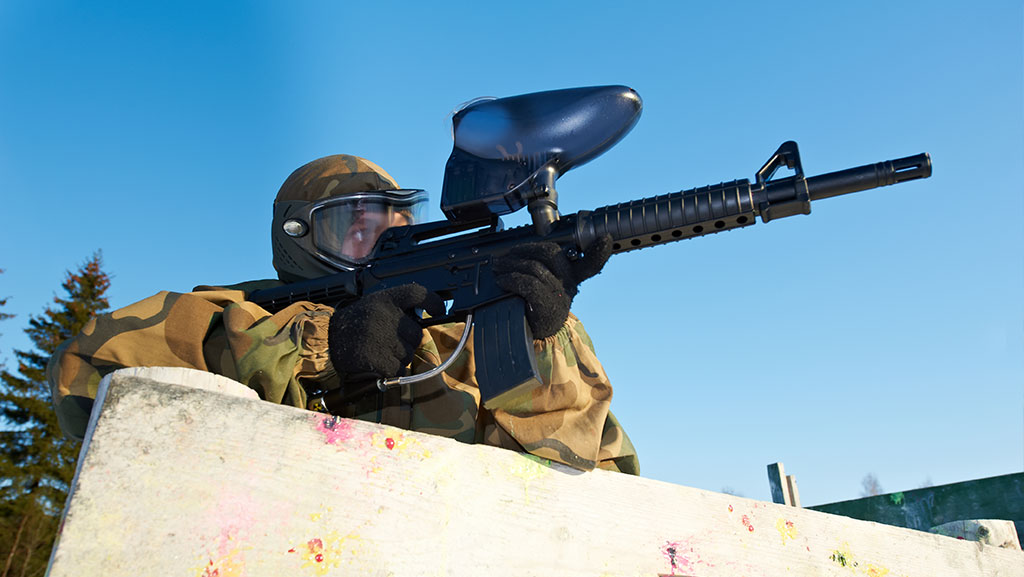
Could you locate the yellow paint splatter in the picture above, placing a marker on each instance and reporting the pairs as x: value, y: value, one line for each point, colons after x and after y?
x: 876, y: 571
x: 529, y: 468
x: 396, y: 441
x: 786, y: 529
x: 322, y: 555
x: 227, y: 557
x: 843, y: 557
x: 229, y: 565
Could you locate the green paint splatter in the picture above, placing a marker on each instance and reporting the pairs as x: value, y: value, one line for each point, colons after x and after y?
x: 539, y: 460
x: 841, y: 558
x: 896, y: 498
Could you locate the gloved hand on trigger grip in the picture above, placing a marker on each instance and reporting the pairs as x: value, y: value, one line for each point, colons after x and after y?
x: 547, y: 280
x: 379, y: 333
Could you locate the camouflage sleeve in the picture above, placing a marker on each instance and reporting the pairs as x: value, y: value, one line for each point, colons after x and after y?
x: 566, y: 419
x: 210, y: 330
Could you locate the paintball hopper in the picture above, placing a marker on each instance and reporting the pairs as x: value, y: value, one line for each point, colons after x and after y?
x: 509, y: 151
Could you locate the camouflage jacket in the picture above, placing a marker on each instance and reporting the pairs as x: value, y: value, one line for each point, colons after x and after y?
x: 283, y: 357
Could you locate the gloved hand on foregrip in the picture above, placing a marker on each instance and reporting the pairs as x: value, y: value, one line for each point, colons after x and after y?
x: 379, y: 333
x: 547, y: 280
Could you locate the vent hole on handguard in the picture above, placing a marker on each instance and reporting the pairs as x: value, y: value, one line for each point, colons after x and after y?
x: 741, y: 220
x: 635, y: 242
x: 616, y: 246
x: 677, y: 233
x: 656, y: 238
x: 719, y: 224
x: 698, y: 229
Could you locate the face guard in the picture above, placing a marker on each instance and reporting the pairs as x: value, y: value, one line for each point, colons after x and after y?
x: 342, y: 231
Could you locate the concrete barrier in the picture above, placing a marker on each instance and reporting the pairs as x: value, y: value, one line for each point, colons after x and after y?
x: 181, y: 478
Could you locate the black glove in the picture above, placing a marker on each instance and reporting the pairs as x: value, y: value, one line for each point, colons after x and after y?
x: 378, y: 334
x: 547, y: 280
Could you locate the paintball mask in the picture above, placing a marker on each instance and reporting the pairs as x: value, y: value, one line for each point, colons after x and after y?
x: 343, y: 230
x: 330, y: 212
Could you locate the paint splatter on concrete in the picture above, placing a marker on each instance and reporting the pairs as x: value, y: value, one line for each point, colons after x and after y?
x: 746, y: 523
x: 672, y: 551
x: 231, y: 564
x: 335, y: 429
x: 787, y: 530
x: 843, y: 557
x: 225, y: 555
x: 324, y: 554
x: 682, y: 558
x: 529, y: 469
x: 395, y: 440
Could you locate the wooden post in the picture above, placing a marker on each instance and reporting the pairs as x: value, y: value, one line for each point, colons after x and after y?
x: 178, y: 480
x: 794, y: 494
x: 777, y: 483
x: 783, y: 486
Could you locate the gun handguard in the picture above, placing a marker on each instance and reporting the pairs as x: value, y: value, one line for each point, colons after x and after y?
x: 710, y: 209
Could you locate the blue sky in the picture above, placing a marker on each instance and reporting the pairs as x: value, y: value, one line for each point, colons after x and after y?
x: 882, y: 334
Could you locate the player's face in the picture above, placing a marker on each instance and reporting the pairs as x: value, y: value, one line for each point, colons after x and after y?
x: 369, y: 223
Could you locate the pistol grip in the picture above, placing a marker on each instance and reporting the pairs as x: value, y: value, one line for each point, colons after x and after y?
x: 503, y: 349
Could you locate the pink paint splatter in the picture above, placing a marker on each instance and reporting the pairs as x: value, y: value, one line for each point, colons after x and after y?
x: 682, y: 558
x: 672, y: 550
x: 335, y: 429
x: 389, y: 443
x: 747, y: 523
x: 750, y: 528
x: 730, y: 508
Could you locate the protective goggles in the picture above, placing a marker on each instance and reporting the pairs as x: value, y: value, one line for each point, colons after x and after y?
x: 343, y: 230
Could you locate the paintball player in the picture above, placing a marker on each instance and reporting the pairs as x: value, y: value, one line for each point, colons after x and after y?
x: 327, y: 217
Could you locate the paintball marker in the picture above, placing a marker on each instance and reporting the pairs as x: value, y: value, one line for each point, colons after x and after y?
x: 508, y: 153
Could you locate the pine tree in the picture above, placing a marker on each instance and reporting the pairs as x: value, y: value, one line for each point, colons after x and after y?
x: 37, y: 462
x: 3, y: 316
